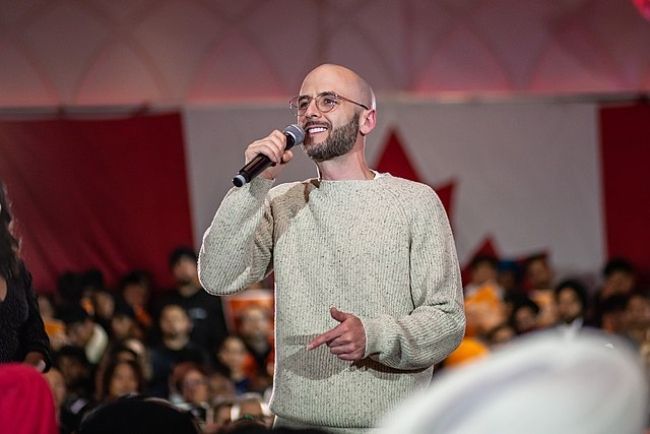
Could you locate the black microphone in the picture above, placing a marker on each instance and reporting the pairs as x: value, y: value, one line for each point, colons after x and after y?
x: 294, y: 134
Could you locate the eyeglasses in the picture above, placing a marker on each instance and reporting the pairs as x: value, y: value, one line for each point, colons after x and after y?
x: 325, y: 102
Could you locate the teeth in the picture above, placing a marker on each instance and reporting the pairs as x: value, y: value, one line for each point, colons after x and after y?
x: 316, y: 130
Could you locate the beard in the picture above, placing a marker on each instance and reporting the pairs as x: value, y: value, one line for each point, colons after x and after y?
x: 339, y: 142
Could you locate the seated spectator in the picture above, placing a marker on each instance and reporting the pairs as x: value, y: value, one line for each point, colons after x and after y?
x: 135, y: 290
x: 571, y: 299
x: 611, y: 314
x: 190, y: 390
x: 103, y: 308
x: 124, y: 325
x: 483, y: 276
x: 54, y: 327
x: 220, y: 388
x: 539, y: 280
x: 619, y: 278
x: 84, y: 332
x: 509, y: 276
x: 77, y: 376
x: 636, y: 317
x: 231, y: 361
x: 175, y: 347
x: 139, y: 415
x: 205, y: 311
x: 256, y: 331
x: 120, y: 378
x: 524, y: 316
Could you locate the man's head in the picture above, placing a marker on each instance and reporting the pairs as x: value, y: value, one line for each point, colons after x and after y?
x: 620, y: 277
x: 182, y: 263
x: 174, y: 321
x: 484, y: 269
x: 539, y: 272
x: 337, y: 108
x: 255, y: 323
x: 79, y: 326
x: 571, y: 299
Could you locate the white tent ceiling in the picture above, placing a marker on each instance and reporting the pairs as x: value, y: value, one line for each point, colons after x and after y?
x: 96, y: 52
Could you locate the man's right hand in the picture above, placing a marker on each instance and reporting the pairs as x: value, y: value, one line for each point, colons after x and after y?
x: 273, y: 147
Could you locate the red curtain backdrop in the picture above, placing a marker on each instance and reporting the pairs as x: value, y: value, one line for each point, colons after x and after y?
x: 107, y: 194
x: 625, y: 145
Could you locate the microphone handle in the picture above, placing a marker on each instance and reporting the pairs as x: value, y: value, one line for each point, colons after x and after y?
x: 253, y: 168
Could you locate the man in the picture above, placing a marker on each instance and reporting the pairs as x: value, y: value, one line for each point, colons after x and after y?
x: 175, y: 347
x: 205, y: 312
x: 368, y: 292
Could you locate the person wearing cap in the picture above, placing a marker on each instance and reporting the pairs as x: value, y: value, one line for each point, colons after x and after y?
x: 22, y: 333
x: 367, y: 284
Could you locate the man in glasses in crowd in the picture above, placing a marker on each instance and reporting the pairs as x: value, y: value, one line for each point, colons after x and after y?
x: 368, y: 291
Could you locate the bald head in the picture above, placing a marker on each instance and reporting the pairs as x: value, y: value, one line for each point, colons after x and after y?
x: 337, y: 78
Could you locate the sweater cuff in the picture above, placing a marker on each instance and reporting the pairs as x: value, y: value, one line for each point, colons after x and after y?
x: 372, y: 329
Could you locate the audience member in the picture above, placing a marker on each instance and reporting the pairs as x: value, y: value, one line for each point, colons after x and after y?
x: 121, y: 378
x: 84, y: 332
x: 135, y: 290
x: 139, y: 415
x: 231, y: 361
x: 524, y: 316
x: 572, y: 303
x: 206, y: 311
x: 539, y: 279
x: 175, y: 347
x: 619, y: 278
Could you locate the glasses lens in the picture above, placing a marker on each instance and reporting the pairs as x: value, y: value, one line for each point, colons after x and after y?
x: 326, y: 102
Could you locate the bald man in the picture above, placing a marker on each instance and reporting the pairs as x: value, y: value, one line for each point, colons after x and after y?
x: 368, y: 291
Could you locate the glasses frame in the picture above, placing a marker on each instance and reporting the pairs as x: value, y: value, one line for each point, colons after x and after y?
x: 293, y: 102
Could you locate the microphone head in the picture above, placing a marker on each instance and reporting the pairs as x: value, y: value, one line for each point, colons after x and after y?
x: 295, y: 135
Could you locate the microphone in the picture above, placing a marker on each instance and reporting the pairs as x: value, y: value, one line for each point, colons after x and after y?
x: 294, y: 134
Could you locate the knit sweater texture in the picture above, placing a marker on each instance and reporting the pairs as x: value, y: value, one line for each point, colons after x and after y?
x: 380, y: 249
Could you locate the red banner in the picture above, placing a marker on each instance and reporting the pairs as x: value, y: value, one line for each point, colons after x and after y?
x: 107, y: 194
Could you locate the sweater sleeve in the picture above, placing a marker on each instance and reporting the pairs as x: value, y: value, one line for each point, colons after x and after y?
x: 237, y: 248
x: 32, y: 332
x: 436, y: 325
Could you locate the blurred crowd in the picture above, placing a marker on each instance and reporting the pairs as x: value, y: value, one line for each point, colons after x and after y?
x: 177, y: 344
x: 174, y: 344
x: 507, y: 299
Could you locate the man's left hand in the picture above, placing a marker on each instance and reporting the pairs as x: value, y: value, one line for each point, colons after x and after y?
x: 347, y: 341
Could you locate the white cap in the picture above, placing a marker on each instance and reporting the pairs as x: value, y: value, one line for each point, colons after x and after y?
x: 545, y: 383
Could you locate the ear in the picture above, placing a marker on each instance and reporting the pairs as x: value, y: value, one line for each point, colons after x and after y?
x: 367, y: 122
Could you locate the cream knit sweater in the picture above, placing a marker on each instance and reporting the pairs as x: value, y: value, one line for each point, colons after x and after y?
x: 379, y: 249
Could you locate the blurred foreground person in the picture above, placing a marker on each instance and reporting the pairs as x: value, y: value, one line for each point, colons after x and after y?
x: 22, y: 333
x: 26, y: 402
x: 137, y: 415
x: 551, y: 382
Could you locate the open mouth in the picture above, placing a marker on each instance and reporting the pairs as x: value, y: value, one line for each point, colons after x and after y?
x: 315, y: 129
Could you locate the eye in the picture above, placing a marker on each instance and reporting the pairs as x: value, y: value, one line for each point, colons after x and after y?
x: 303, y: 103
x: 329, y: 100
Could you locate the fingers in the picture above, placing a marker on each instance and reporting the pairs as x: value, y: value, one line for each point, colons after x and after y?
x: 272, y: 146
x: 324, y: 338
x: 338, y: 315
